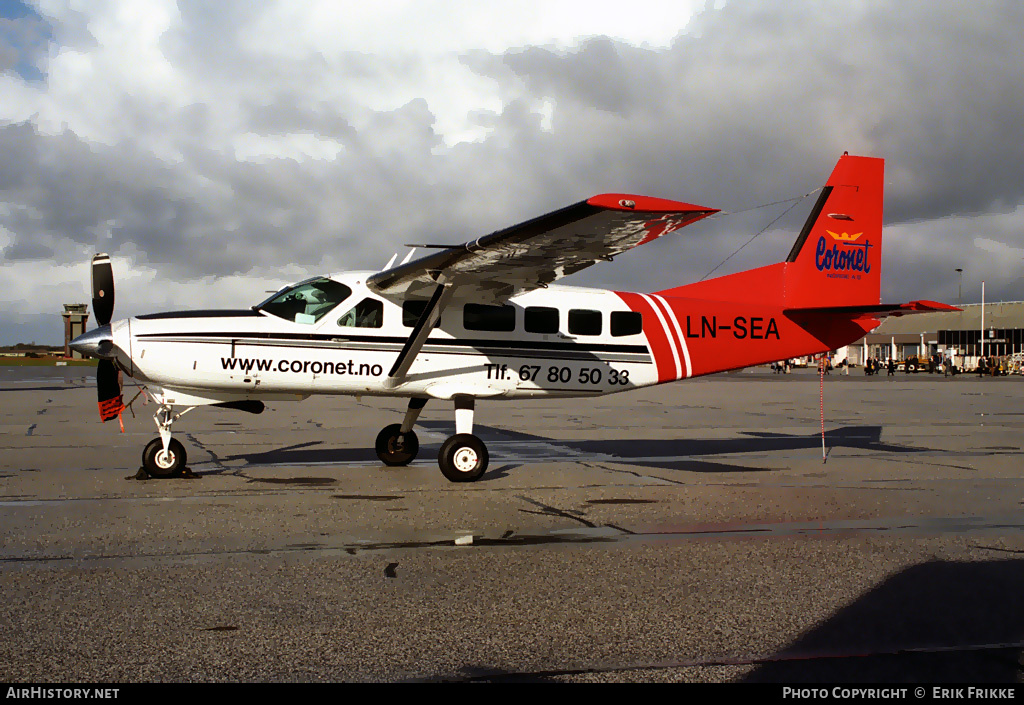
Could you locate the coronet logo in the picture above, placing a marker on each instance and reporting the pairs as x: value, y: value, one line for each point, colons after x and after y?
x: 845, y: 254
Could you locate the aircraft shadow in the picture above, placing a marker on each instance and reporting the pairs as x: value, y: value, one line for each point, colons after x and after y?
x: 308, y: 454
x: 60, y: 388
x: 688, y: 454
x: 935, y: 622
x: 513, y: 448
x: 861, y: 437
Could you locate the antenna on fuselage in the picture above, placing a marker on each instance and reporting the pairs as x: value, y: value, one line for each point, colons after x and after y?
x: 390, y: 262
x: 408, y: 256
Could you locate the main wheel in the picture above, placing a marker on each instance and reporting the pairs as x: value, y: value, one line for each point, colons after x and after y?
x: 160, y: 463
x: 463, y: 458
x: 395, y: 448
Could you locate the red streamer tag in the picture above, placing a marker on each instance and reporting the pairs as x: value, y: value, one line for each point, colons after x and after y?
x: 111, y: 408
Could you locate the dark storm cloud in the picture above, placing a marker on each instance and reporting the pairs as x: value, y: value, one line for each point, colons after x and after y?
x: 209, y: 215
x: 284, y: 113
x: 27, y: 251
x: 602, y: 74
x: 65, y: 189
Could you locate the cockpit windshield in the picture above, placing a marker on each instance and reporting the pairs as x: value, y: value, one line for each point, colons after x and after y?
x: 306, y: 302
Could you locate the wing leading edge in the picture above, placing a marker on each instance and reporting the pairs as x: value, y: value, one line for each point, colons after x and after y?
x: 534, y: 254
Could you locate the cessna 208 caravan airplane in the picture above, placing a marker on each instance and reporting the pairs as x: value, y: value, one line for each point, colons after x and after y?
x: 484, y: 320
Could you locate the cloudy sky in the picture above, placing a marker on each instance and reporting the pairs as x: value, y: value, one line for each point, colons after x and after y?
x: 221, y: 149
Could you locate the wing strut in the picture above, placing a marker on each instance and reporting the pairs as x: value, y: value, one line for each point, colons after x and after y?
x: 431, y: 313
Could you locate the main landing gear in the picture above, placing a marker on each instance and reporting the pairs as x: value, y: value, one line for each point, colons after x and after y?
x: 164, y: 456
x: 463, y: 457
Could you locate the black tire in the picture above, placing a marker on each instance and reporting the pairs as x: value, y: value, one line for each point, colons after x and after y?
x: 158, y: 464
x: 394, y: 453
x: 463, y: 458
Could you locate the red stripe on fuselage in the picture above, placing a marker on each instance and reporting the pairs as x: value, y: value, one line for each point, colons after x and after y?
x: 671, y: 320
x: 661, y: 345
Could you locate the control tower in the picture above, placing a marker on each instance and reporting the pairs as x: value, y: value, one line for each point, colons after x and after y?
x: 75, y: 318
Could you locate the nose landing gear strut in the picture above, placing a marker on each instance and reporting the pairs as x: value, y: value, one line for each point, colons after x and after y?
x: 165, y: 456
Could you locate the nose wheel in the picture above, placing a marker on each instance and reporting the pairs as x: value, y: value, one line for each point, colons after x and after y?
x: 163, y: 463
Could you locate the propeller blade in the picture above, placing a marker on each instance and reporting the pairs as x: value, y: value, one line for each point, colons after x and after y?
x: 108, y: 390
x: 102, y: 289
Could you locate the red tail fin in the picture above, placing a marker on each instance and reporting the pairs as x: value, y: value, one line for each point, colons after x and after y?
x: 836, y: 260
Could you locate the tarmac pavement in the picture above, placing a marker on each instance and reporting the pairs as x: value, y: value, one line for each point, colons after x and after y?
x: 688, y: 532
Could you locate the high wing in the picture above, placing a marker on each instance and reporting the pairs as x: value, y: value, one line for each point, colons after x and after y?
x: 533, y: 254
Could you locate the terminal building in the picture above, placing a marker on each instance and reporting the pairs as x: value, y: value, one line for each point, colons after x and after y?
x: 960, y: 334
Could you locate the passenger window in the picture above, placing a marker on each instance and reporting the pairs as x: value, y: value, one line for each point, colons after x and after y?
x: 368, y: 313
x: 582, y: 322
x: 411, y: 312
x: 493, y: 318
x: 626, y: 323
x: 541, y: 319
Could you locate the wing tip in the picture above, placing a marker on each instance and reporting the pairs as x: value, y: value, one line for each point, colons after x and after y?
x: 645, y: 204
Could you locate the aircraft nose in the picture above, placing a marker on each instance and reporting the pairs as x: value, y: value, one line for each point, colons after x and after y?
x: 98, y: 342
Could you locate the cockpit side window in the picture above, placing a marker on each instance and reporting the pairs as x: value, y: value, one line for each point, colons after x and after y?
x: 306, y: 302
x: 368, y: 313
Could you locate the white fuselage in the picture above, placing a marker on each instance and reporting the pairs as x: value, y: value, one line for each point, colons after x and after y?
x: 216, y: 356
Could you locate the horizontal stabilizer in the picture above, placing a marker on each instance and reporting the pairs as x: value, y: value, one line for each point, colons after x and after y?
x: 876, y: 310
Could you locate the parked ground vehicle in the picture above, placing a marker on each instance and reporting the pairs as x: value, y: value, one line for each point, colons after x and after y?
x: 1015, y: 363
